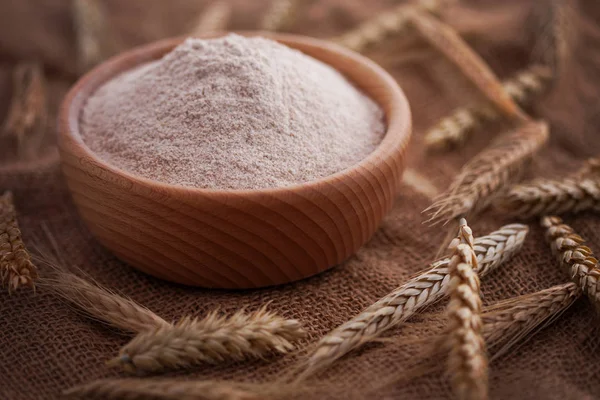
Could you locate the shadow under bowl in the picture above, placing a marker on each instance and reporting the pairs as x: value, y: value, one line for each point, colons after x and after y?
x: 236, y: 238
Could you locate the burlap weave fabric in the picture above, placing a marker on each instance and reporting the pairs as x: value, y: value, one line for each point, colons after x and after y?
x: 45, y: 346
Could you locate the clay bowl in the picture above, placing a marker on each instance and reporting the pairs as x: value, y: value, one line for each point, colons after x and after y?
x: 237, y: 238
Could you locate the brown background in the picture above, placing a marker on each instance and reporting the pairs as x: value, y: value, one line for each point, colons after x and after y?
x: 45, y: 346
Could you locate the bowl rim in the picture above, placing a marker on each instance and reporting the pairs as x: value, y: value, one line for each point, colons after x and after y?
x: 398, y: 115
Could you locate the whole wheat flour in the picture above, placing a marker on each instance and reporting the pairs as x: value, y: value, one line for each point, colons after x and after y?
x: 232, y: 113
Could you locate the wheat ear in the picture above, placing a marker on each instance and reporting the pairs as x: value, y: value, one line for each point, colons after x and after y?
x: 212, y: 339
x: 484, y: 176
x: 547, y: 196
x: 16, y: 268
x: 27, y: 114
x: 280, y: 15
x: 215, y: 18
x: 467, y: 359
x: 102, y: 304
x: 510, y: 321
x: 553, y: 33
x: 159, y: 389
x: 454, y: 129
x: 92, y: 33
x: 386, y: 24
x: 449, y: 43
x: 574, y: 257
x: 505, y: 324
x: 403, y: 302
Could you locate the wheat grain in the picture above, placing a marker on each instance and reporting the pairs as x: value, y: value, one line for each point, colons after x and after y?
x: 547, y: 196
x: 484, y: 176
x: 211, y: 339
x: 399, y: 305
x: 280, y: 15
x: 27, y: 114
x: 553, y: 33
x: 454, y: 129
x: 448, y: 42
x: 16, y: 268
x: 467, y: 360
x: 215, y: 18
x: 102, y: 304
x: 386, y: 24
x: 93, y: 36
x: 160, y: 389
x: 574, y: 257
x: 510, y: 321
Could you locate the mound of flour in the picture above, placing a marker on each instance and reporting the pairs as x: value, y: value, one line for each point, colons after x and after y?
x: 232, y: 113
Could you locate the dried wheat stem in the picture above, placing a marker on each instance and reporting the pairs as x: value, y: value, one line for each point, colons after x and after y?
x: 16, y: 268
x: 484, y: 176
x: 92, y: 32
x: 215, y: 18
x: 454, y: 129
x: 212, y: 339
x: 467, y: 359
x: 386, y: 24
x: 553, y: 32
x: 547, y: 196
x: 576, y: 258
x: 280, y: 15
x: 102, y: 304
x: 448, y: 42
x: 510, y: 321
x: 159, y: 389
x: 27, y: 114
x: 403, y: 302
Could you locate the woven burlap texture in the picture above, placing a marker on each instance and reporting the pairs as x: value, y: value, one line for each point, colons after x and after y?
x: 46, y: 346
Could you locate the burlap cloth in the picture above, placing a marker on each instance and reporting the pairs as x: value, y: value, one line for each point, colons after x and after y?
x: 45, y: 346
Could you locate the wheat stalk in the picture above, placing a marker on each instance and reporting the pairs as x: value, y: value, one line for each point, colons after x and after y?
x: 102, y: 304
x: 384, y: 25
x: 93, y: 40
x: 215, y: 18
x: 16, y: 268
x: 212, y: 339
x: 489, y: 172
x: 454, y: 129
x: 467, y: 359
x: 449, y: 43
x: 280, y: 15
x: 163, y: 389
x: 576, y: 258
x: 510, y: 321
x: 27, y: 114
x: 552, y: 30
x: 413, y: 296
x: 548, y: 196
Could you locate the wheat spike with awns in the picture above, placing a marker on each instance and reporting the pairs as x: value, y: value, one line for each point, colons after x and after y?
x: 576, y: 258
x: 210, y: 340
x: 16, y: 268
x: 467, y: 359
x: 424, y: 289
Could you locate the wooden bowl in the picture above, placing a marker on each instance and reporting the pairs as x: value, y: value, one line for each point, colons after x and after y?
x: 237, y: 238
